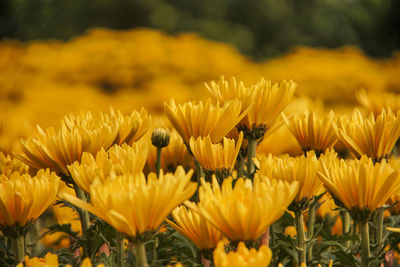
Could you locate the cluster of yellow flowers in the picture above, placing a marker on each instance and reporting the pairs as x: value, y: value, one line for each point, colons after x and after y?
x: 203, y: 168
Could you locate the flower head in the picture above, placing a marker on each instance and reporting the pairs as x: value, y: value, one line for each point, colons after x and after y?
x: 242, y: 257
x: 24, y: 198
x: 50, y: 260
x: 359, y: 184
x: 372, y: 137
x: 302, y: 169
x: 375, y: 102
x: 9, y: 164
x: 216, y: 156
x: 140, y: 206
x: 264, y: 100
x: 245, y: 211
x: 118, y: 160
x: 192, y: 225
x: 130, y: 127
x: 202, y: 119
x: 57, y: 149
x: 313, y: 132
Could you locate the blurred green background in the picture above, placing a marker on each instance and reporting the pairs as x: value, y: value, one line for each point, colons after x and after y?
x: 258, y: 28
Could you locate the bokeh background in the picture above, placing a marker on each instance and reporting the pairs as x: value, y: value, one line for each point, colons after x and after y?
x: 58, y: 57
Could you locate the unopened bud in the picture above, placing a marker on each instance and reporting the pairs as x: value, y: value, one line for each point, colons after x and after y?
x: 160, y: 137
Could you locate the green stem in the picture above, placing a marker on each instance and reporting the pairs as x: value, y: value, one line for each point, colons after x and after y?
x: 346, y: 222
x: 251, y: 152
x: 85, y: 220
x: 120, y: 250
x: 365, y: 251
x: 301, y: 244
x: 310, y: 226
x: 158, y: 161
x: 140, y: 253
x: 20, y: 248
x: 378, y: 221
x: 240, y: 165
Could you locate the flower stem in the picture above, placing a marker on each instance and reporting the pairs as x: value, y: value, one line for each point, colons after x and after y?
x: 365, y: 251
x: 301, y: 244
x: 251, y: 152
x: 310, y: 226
x: 378, y: 221
x: 158, y: 161
x: 120, y: 250
x: 85, y: 220
x: 140, y: 253
x: 20, y: 248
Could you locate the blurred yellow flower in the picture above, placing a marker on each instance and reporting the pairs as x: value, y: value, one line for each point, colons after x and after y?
x: 245, y: 211
x: 202, y: 119
x: 376, y: 101
x: 242, y: 257
x: 313, y: 132
x: 130, y: 127
x: 286, y: 168
x: 57, y: 149
x: 50, y: 260
x: 9, y: 164
x: 214, y: 157
x: 192, y: 225
x: 369, y: 136
x: 359, y: 184
x: 24, y: 198
x: 139, y: 206
x: 118, y: 160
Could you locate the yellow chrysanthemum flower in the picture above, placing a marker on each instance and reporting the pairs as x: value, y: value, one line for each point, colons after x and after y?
x: 369, y: 136
x: 140, y: 206
x: 24, y: 198
x: 304, y: 265
x: 192, y: 225
x: 172, y: 156
x: 359, y: 184
x: 130, y: 127
x: 202, y: 119
x: 57, y: 149
x: 50, y: 260
x: 118, y: 160
x: 242, y: 257
x: 244, y: 212
x: 286, y: 168
x: 313, y: 132
x: 216, y: 156
x: 376, y: 101
x: 264, y: 99
x: 9, y: 164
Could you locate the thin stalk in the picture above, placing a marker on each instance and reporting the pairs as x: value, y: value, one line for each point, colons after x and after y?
x: 301, y: 244
x: 140, y: 253
x: 346, y: 224
x: 365, y: 251
x: 310, y: 226
x: 85, y: 220
x: 378, y: 221
x: 240, y: 165
x: 158, y: 161
x: 251, y: 152
x: 20, y: 248
x: 120, y: 250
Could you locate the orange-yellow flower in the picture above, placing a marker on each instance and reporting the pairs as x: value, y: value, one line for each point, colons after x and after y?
x: 375, y: 102
x: 9, y: 164
x: 139, y: 206
x: 372, y: 137
x: 118, y: 160
x: 313, y: 132
x: 57, y: 149
x: 216, y: 156
x: 359, y: 184
x: 245, y: 211
x: 264, y: 99
x: 24, y: 198
x: 192, y: 225
x: 301, y: 169
x: 242, y: 257
x: 202, y: 119
x: 50, y: 260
